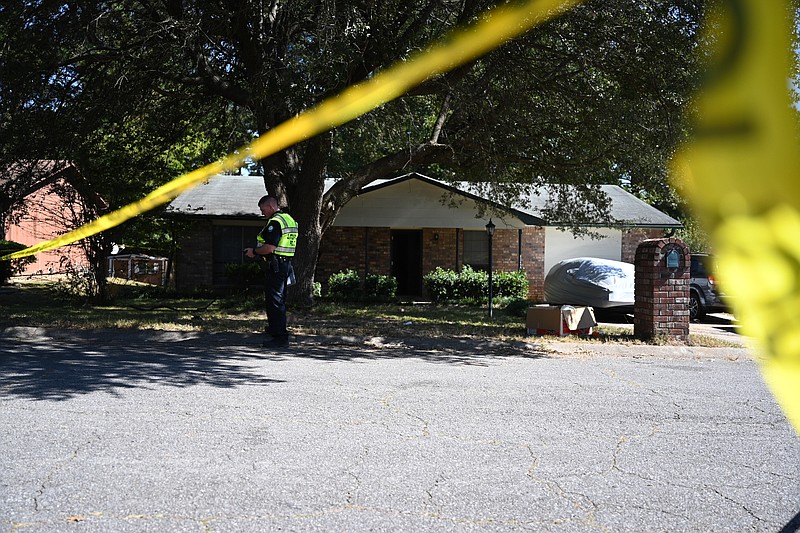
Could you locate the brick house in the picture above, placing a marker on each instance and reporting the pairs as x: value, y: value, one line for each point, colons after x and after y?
x: 405, y: 227
x: 48, y: 211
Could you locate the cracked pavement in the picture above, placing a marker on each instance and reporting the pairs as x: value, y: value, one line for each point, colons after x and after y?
x: 151, y: 431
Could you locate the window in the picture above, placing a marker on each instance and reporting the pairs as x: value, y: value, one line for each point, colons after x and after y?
x: 229, y: 241
x: 476, y: 249
x: 145, y: 268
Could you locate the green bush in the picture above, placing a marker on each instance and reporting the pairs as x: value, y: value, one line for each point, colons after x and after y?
x: 470, y: 285
x: 511, y: 284
x: 243, y: 275
x: 12, y: 266
x: 473, y: 284
x: 441, y: 284
x: 345, y: 285
x: 349, y: 287
x: 380, y: 288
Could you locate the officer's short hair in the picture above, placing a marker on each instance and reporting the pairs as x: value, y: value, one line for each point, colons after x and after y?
x: 263, y: 200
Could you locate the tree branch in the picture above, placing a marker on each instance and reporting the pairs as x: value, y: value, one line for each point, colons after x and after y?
x: 443, y: 112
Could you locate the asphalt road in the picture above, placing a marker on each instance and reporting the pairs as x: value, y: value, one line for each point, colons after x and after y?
x: 144, y: 431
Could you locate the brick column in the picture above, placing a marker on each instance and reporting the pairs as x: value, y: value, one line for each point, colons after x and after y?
x: 662, y: 293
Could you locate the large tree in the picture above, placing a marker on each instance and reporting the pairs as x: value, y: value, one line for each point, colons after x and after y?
x: 28, y: 84
x: 594, y: 96
x: 122, y: 133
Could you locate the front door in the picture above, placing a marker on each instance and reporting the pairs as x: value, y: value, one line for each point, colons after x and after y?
x: 407, y: 261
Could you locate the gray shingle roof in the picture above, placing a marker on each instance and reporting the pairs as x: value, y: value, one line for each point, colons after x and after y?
x: 625, y: 209
x: 630, y: 209
x: 221, y: 196
x: 237, y: 197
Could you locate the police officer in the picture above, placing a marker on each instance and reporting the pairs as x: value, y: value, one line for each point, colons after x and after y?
x: 276, y: 244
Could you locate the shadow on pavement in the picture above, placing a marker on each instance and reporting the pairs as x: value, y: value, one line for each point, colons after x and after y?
x: 54, y: 370
x: 56, y: 366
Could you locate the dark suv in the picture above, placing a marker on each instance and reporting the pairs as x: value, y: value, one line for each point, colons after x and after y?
x: 704, y: 294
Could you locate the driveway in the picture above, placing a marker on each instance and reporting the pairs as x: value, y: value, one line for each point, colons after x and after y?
x: 721, y: 326
x: 149, y: 431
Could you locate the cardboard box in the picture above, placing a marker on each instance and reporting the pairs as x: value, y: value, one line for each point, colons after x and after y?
x: 560, y: 320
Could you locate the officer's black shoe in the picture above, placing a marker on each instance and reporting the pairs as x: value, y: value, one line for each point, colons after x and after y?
x: 275, y: 342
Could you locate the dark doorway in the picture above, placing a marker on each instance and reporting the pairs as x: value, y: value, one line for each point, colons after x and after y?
x: 407, y: 261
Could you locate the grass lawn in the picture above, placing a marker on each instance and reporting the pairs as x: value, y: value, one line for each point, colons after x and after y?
x: 43, y: 304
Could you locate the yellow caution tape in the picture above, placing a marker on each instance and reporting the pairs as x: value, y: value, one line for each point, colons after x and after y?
x: 742, y: 174
x: 496, y: 27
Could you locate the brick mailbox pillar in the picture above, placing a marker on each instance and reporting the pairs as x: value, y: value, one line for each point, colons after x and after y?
x: 662, y: 289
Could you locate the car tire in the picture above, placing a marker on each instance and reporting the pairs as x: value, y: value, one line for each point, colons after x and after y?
x: 696, y: 311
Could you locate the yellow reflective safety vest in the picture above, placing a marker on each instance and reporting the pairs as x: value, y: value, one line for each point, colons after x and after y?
x: 288, y: 240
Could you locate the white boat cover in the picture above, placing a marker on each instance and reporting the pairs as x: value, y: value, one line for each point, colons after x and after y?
x: 590, y: 281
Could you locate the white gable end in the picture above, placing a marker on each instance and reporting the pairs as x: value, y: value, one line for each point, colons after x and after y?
x: 414, y: 204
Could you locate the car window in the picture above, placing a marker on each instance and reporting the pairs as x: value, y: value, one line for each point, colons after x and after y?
x: 698, y: 268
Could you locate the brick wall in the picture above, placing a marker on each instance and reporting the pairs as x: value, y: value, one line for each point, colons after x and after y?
x: 533, y: 261
x: 193, y: 266
x: 340, y: 249
x: 505, y: 250
x: 633, y: 237
x: 506, y: 256
x: 343, y: 248
x: 662, y: 294
x: 380, y: 242
x: 439, y: 248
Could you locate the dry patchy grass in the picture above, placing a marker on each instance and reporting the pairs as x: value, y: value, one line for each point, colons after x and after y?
x: 135, y: 307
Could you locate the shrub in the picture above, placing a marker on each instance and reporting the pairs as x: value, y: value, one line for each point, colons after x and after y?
x: 146, y: 292
x: 380, y: 288
x: 12, y: 266
x: 345, y: 285
x: 243, y: 275
x: 441, y: 284
x: 348, y: 286
x: 471, y: 286
x: 511, y: 284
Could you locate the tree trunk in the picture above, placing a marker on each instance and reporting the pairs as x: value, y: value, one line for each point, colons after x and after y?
x: 305, y: 263
x: 299, y: 187
x: 315, y: 210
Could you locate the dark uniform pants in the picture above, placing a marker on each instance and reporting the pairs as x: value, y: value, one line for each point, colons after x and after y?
x: 275, y: 296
